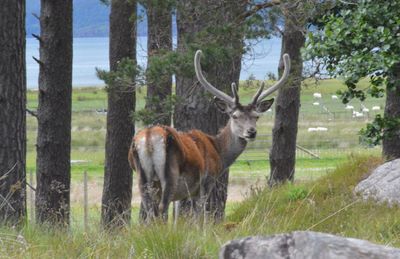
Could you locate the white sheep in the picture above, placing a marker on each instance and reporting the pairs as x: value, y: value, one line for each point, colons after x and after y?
x: 317, y: 95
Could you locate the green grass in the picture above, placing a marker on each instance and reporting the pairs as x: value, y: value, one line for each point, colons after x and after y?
x: 327, y: 204
x: 341, y: 139
x: 321, y: 199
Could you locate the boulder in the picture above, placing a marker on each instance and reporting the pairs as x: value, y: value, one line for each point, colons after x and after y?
x: 305, y: 244
x: 383, y: 185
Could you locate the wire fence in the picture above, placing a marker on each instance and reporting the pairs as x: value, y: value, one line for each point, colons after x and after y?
x: 318, y: 149
x: 320, y: 136
x: 325, y: 131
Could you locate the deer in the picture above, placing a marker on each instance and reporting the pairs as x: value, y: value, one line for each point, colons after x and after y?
x: 171, y: 165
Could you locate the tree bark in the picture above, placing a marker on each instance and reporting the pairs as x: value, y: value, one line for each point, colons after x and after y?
x: 391, y: 145
x: 12, y: 112
x: 54, y: 113
x: 195, y: 110
x: 158, y: 79
x: 287, y: 105
x: 159, y: 43
x: 117, y: 190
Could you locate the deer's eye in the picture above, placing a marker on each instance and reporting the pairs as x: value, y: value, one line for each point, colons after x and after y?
x: 256, y: 117
x: 234, y: 116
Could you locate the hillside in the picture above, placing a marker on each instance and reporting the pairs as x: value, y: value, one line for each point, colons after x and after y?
x: 85, y: 23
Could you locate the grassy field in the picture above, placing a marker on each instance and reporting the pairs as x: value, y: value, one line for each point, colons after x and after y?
x: 331, y: 146
x: 327, y: 204
x: 252, y: 168
x: 88, y: 127
x: 321, y: 199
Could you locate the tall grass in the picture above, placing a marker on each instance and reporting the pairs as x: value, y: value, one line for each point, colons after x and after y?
x: 327, y: 205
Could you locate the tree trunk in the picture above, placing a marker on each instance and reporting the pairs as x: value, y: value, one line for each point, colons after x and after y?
x: 391, y: 145
x: 159, y: 42
x: 195, y: 110
x: 158, y: 79
x: 54, y: 113
x: 12, y: 112
x: 287, y: 105
x: 117, y: 191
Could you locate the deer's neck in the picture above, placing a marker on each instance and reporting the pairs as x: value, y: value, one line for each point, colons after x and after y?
x: 229, y: 146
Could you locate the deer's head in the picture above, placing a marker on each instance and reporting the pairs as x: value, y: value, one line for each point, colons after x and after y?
x: 243, y: 118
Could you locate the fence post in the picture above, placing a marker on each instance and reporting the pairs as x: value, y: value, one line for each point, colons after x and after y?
x: 85, y: 201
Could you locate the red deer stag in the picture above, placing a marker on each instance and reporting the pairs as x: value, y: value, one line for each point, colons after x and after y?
x: 171, y: 164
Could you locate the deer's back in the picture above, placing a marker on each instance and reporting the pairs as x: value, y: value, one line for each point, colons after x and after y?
x: 195, y: 151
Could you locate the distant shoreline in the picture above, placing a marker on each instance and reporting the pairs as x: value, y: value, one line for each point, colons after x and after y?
x: 77, y: 87
x: 92, y: 52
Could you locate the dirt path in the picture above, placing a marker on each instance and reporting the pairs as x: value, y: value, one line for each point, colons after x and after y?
x: 236, y: 191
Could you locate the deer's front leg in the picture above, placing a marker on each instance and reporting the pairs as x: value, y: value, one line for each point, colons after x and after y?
x: 207, y: 184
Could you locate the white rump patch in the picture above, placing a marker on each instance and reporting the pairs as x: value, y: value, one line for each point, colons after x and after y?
x: 159, y: 156
x: 152, y: 161
x: 145, y: 158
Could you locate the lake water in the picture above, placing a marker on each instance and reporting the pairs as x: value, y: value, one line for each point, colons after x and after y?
x: 90, y: 53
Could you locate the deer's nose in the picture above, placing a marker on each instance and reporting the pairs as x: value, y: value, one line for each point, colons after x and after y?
x: 252, y: 132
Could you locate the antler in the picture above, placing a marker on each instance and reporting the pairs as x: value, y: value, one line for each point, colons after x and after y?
x: 255, y: 97
x: 259, y: 96
x: 235, y: 93
x: 209, y: 87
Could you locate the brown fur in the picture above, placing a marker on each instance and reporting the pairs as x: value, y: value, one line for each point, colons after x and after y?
x: 197, y: 150
x: 189, y: 156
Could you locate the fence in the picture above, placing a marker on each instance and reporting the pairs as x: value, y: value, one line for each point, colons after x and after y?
x: 318, y: 149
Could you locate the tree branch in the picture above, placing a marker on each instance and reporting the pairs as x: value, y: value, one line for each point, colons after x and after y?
x: 37, y: 37
x: 30, y: 186
x: 280, y: 31
x: 36, y: 16
x: 38, y: 61
x: 33, y: 113
x: 258, y: 7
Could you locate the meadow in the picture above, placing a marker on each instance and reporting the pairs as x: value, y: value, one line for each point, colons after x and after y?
x: 326, y: 204
x: 252, y: 168
x: 320, y: 199
x: 340, y: 139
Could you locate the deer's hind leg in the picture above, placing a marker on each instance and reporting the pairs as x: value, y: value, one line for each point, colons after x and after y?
x: 168, y: 180
x: 149, y: 194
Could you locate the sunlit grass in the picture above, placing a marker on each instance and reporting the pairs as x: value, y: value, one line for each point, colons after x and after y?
x: 327, y: 204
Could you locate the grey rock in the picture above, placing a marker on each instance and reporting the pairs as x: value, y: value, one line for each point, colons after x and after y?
x: 305, y: 244
x: 383, y: 185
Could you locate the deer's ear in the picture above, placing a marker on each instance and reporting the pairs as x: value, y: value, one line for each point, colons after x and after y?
x: 222, y: 105
x: 263, y: 106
